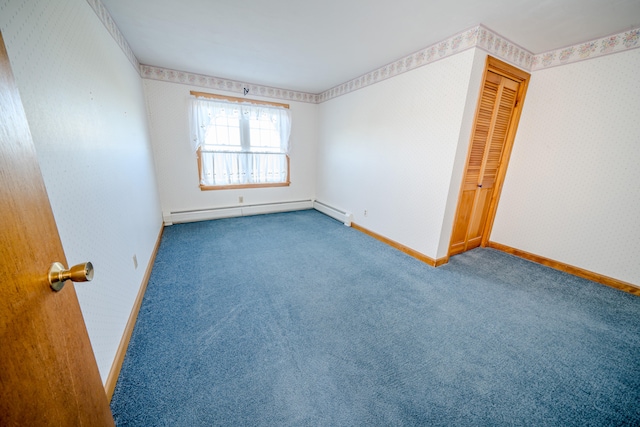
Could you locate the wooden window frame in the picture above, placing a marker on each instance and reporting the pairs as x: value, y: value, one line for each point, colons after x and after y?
x: 203, y: 187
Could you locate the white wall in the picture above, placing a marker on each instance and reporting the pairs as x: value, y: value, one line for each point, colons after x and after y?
x: 85, y: 106
x: 572, y: 189
x: 176, y: 163
x: 390, y: 149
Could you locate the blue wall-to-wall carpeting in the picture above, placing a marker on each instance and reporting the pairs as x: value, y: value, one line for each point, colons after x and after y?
x: 296, y: 320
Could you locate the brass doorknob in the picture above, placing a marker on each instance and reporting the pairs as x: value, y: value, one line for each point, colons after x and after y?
x: 58, y: 275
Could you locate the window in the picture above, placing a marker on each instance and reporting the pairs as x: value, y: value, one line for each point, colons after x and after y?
x: 240, y: 144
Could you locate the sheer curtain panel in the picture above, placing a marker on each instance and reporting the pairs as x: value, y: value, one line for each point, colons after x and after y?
x: 240, y: 143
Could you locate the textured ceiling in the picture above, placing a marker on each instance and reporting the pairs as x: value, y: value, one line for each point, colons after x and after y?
x: 311, y: 46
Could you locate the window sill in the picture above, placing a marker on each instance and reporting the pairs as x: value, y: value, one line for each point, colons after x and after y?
x: 242, y: 186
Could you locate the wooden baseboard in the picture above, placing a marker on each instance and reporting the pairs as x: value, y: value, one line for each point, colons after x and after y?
x: 576, y: 271
x: 411, y: 252
x: 112, y: 378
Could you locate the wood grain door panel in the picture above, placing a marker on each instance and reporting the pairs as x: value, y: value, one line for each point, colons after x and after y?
x: 459, y: 235
x: 48, y: 373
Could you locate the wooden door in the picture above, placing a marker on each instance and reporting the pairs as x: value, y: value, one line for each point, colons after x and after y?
x: 48, y: 373
x: 494, y: 129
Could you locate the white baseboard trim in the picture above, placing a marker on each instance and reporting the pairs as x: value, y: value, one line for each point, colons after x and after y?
x: 177, y: 217
x: 342, y: 216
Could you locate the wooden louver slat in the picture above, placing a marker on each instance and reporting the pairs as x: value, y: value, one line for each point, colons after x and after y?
x: 483, y: 125
x: 505, y: 107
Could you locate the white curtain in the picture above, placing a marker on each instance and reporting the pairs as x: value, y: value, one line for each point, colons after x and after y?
x: 203, y: 111
x: 243, y: 168
x: 257, y: 164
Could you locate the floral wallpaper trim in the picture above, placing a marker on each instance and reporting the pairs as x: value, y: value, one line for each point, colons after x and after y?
x: 504, y: 48
x: 474, y: 37
x: 110, y: 25
x: 625, y: 40
x: 163, y: 74
x: 479, y: 36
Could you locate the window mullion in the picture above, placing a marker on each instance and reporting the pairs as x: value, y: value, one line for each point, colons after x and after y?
x: 245, y: 164
x: 245, y: 134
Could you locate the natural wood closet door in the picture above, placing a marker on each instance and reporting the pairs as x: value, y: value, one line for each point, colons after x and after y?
x: 486, y: 161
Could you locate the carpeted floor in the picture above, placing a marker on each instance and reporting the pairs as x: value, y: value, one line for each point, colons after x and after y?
x: 296, y: 320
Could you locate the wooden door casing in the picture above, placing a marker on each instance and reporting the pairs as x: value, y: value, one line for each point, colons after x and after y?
x: 495, y: 124
x: 48, y: 373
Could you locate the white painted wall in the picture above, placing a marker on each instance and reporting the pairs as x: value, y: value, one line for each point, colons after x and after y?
x: 572, y: 189
x: 85, y: 106
x: 390, y: 149
x: 176, y: 163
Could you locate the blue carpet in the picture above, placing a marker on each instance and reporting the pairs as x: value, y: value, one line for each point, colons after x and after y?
x: 296, y: 320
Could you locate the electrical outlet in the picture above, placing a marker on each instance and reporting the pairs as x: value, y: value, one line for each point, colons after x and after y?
x: 135, y: 262
x: 240, y: 199
x: 365, y: 212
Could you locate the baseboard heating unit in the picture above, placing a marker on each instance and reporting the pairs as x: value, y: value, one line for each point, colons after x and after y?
x: 340, y: 215
x: 177, y: 217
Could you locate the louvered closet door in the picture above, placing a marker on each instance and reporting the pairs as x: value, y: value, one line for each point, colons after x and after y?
x: 494, y: 114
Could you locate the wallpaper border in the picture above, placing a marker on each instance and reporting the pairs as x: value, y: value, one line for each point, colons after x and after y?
x: 479, y: 37
x: 614, y: 43
x: 175, y: 76
x: 108, y: 22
